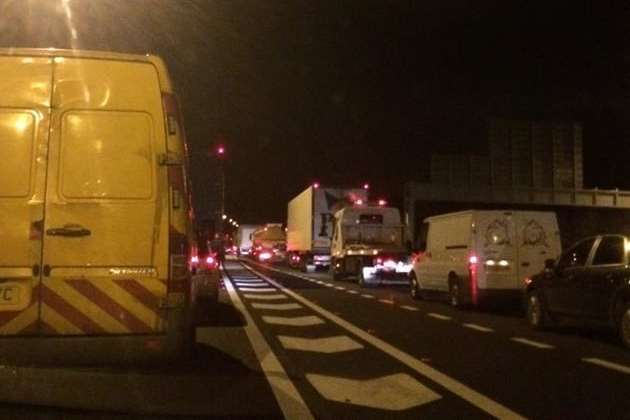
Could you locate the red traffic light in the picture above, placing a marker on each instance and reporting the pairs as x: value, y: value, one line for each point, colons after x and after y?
x: 220, y: 150
x: 315, y: 184
x: 366, y: 186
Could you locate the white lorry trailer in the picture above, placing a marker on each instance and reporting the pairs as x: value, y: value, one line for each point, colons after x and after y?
x: 309, y: 224
x: 368, y: 242
x: 244, y: 239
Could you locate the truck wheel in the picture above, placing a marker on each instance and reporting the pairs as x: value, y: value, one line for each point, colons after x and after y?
x: 454, y: 292
x: 416, y: 293
x: 537, y: 315
x: 624, y: 326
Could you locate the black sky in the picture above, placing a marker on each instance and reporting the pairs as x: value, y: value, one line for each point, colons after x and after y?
x: 351, y: 91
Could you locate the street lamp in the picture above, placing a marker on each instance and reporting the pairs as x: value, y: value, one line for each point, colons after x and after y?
x: 224, y: 217
x: 219, y: 154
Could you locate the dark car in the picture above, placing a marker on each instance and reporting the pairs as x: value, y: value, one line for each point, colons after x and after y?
x: 589, y: 283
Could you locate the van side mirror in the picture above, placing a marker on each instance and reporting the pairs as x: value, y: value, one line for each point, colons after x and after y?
x: 550, y: 264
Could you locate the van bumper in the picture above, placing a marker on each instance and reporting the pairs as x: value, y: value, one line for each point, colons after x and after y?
x: 101, y: 350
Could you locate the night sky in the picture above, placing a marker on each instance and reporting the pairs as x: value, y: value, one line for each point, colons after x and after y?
x: 350, y: 91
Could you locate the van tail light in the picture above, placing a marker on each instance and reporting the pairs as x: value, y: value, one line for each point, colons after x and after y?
x: 210, y: 260
x: 472, y: 274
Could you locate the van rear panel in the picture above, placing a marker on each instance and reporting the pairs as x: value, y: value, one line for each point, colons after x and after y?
x: 513, y: 245
x: 87, y: 210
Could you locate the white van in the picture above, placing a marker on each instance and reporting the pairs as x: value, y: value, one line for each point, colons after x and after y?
x: 477, y: 254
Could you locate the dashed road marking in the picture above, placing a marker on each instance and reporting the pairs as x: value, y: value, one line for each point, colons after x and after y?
x: 475, y: 398
x: 288, y: 397
x: 327, y: 345
x: 297, y: 321
x: 394, y: 392
x: 409, y: 308
x: 387, y: 301
x: 265, y: 297
x: 277, y: 306
x: 241, y: 285
x: 329, y: 285
x: 439, y: 316
x: 340, y: 288
x: 608, y: 365
x: 478, y: 327
x: 261, y: 290
x: 532, y: 343
x: 353, y: 292
x: 365, y: 295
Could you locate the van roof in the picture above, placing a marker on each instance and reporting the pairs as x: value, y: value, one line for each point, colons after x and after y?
x: 165, y: 82
x: 465, y: 212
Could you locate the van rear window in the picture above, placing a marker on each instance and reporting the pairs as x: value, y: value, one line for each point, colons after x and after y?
x: 16, y: 146
x: 106, y: 154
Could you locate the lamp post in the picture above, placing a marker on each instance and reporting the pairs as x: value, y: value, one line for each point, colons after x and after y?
x: 220, y: 156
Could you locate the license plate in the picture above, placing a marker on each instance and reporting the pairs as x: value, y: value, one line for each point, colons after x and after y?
x: 9, y: 295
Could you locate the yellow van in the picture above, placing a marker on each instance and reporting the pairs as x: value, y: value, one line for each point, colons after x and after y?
x: 95, y: 216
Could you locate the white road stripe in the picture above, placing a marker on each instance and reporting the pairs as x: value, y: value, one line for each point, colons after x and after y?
x: 393, y: 392
x: 329, y: 285
x: 607, y: 364
x: 353, y: 292
x: 277, y: 306
x: 365, y: 295
x: 340, y: 288
x: 387, y: 301
x: 296, y: 321
x: 288, y: 397
x: 327, y: 345
x: 261, y: 290
x: 478, y: 327
x: 532, y: 343
x: 439, y: 316
x: 409, y: 308
x: 468, y: 394
x: 240, y: 285
x: 265, y: 297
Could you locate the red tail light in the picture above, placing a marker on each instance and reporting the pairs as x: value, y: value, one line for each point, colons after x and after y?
x: 194, y: 259
x: 210, y: 260
x: 472, y: 273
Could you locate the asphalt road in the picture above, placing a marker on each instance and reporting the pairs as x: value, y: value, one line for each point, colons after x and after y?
x: 287, y: 344
x: 349, y: 352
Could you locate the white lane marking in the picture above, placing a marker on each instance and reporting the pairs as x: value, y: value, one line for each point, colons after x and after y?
x: 477, y: 327
x: 365, y: 295
x: 329, y: 285
x: 327, y: 345
x: 409, y: 308
x: 353, y: 292
x: 459, y: 389
x: 261, y: 290
x: 394, y: 392
x: 252, y: 284
x: 288, y: 397
x: 265, y: 297
x: 277, y: 306
x: 296, y: 321
x: 532, y: 343
x: 248, y: 281
x: 387, y: 301
x: 439, y: 316
x: 340, y: 288
x: 607, y: 364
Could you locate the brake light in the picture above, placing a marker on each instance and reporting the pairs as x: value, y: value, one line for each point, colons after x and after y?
x: 210, y: 260
x: 472, y: 273
x: 194, y: 259
x: 382, y: 203
x: 358, y: 202
x: 264, y: 256
x: 379, y: 261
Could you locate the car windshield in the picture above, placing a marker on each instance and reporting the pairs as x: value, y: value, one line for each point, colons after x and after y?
x: 215, y: 208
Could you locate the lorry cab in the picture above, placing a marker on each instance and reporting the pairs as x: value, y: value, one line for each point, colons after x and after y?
x: 478, y: 254
x: 368, y: 243
x: 94, y: 200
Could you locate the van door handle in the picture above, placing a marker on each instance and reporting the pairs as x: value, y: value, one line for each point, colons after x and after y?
x: 70, y: 230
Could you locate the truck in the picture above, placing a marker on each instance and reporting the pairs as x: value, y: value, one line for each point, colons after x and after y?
x: 309, y: 224
x: 243, y: 239
x: 269, y: 243
x: 369, y: 242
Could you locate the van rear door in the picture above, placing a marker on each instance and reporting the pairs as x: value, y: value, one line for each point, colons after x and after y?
x: 538, y: 239
x: 25, y: 91
x: 105, y: 245
x: 497, y: 247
